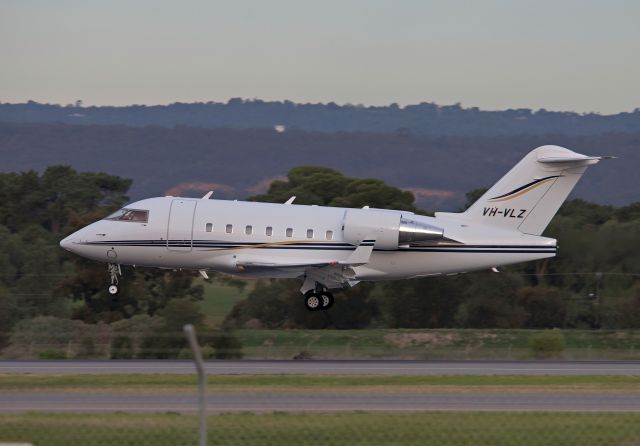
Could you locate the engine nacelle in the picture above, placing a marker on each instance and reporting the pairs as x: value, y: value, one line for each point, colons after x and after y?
x: 390, y: 229
x: 414, y: 232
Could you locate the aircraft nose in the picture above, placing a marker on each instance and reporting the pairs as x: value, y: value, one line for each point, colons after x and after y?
x: 67, y: 243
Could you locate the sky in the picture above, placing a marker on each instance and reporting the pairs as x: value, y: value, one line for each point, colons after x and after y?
x: 559, y: 55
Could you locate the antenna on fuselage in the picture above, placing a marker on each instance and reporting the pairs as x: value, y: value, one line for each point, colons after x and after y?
x: 290, y: 200
x: 207, y: 195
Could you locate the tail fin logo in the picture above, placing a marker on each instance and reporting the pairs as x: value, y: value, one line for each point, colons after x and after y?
x: 523, y: 189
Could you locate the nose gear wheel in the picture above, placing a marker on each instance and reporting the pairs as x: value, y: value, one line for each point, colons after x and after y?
x: 114, y: 272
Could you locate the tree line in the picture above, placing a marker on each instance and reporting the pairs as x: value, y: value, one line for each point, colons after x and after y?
x: 425, y: 118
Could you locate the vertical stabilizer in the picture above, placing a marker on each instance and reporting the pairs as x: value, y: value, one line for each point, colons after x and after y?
x: 530, y: 194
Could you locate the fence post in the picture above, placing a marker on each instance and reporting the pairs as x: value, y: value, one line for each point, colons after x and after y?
x: 190, y: 331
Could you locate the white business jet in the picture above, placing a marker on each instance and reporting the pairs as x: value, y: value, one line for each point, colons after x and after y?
x: 331, y: 248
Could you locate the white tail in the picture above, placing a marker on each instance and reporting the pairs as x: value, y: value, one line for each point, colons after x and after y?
x: 530, y: 194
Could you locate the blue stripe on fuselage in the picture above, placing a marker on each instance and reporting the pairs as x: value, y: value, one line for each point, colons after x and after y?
x: 324, y: 246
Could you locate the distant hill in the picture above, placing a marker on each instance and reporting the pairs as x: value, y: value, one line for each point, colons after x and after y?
x: 425, y: 119
x: 241, y: 162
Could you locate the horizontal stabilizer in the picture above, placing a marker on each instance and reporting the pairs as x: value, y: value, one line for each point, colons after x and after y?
x: 569, y: 159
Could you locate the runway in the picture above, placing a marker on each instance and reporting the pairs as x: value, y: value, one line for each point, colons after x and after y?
x: 415, y: 368
x: 393, y: 401
x: 386, y: 399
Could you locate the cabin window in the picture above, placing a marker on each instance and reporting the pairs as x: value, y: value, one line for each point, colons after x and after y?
x: 269, y: 231
x: 248, y: 230
x: 134, y: 215
x: 209, y: 227
x: 328, y: 235
x: 229, y: 229
x: 309, y: 233
x: 289, y: 232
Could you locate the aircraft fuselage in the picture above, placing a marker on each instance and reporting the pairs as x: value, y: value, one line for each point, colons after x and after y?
x: 186, y: 233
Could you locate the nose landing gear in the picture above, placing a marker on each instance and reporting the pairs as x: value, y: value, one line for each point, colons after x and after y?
x: 114, y: 272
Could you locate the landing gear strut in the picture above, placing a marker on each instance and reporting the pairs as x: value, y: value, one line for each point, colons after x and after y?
x: 114, y: 272
x: 318, y: 300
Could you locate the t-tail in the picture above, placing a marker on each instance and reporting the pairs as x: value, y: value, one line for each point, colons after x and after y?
x: 530, y: 194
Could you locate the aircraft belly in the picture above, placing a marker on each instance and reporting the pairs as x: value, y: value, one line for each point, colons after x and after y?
x: 405, y: 264
x: 383, y: 265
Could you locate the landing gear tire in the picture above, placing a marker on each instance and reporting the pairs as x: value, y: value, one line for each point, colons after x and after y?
x: 113, y: 290
x: 327, y: 300
x: 313, y: 301
x: 316, y: 301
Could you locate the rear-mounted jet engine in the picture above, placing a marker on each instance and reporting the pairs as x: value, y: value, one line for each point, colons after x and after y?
x: 390, y: 229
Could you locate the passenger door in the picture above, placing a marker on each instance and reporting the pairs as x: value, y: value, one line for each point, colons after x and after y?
x: 180, y: 228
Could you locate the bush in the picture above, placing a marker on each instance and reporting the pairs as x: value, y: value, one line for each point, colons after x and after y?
x: 491, y: 302
x: 33, y: 337
x: 206, y: 351
x: 52, y: 354
x: 546, y: 344
x: 303, y: 355
x: 136, y: 330
x: 87, y: 348
x: 226, y: 345
x: 185, y: 353
x: 166, y: 340
x: 122, y: 347
x: 158, y: 346
x: 545, y: 307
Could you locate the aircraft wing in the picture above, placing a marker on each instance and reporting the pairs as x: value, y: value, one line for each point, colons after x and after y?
x: 359, y: 256
x: 333, y: 274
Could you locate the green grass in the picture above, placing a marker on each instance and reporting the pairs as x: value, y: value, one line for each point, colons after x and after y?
x: 432, y: 344
x: 219, y: 300
x: 155, y: 382
x: 310, y: 429
x: 419, y: 344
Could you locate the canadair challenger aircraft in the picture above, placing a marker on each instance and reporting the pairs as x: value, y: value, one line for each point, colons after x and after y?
x: 331, y: 248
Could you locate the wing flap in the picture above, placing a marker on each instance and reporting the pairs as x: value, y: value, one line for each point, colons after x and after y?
x: 284, y: 264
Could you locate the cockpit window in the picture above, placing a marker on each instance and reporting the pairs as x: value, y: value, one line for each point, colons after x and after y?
x: 134, y: 215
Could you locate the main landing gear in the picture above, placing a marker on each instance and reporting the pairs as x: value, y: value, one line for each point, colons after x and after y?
x: 316, y: 300
x: 114, y: 272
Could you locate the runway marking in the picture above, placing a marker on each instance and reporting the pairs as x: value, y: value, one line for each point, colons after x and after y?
x: 307, y: 409
x: 461, y: 368
x: 112, y: 368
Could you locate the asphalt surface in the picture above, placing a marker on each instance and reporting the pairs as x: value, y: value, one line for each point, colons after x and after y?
x: 328, y: 367
x: 304, y: 400
x: 12, y: 402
